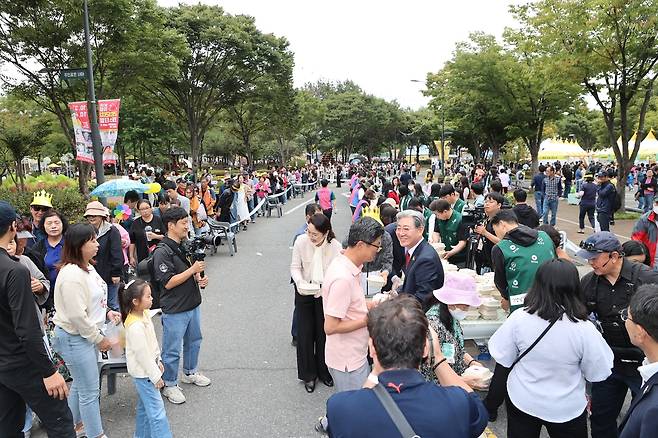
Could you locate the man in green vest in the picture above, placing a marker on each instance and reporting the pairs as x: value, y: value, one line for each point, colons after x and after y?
x: 449, y: 193
x: 517, y: 257
x: 453, y: 232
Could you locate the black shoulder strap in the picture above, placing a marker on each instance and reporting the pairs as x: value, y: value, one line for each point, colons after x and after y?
x: 527, y: 350
x: 176, y: 250
x: 394, y: 412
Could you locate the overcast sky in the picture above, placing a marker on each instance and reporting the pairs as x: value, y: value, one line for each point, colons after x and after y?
x: 381, y: 45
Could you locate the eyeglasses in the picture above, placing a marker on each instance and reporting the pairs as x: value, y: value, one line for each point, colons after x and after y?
x: 379, y: 247
x: 624, y: 315
x: 39, y: 208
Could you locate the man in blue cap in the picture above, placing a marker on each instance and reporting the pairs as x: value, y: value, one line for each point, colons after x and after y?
x: 605, y: 200
x: 608, y: 290
x: 26, y: 373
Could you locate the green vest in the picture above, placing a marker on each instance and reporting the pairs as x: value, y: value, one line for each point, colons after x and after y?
x: 521, y: 264
x: 459, y: 206
x: 404, y: 202
x: 427, y: 214
x: 448, y: 229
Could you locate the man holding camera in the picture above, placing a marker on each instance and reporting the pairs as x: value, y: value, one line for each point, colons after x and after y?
x: 608, y: 290
x: 181, y: 305
x: 493, y: 202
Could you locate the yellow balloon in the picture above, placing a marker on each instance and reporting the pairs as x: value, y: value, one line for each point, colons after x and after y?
x: 153, y: 188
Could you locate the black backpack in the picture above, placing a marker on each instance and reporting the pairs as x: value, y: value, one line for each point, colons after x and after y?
x: 146, y: 272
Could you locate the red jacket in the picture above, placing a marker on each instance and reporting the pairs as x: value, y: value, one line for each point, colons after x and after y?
x: 646, y: 231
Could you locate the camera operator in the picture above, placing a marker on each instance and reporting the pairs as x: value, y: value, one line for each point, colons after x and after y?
x: 608, y: 291
x: 493, y: 202
x: 453, y: 231
x: 181, y: 302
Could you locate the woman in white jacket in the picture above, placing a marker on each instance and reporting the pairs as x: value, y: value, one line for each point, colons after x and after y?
x: 547, y: 385
x: 143, y: 359
x: 311, y: 256
x: 80, y: 313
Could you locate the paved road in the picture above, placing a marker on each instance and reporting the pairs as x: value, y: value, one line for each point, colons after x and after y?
x: 246, y: 350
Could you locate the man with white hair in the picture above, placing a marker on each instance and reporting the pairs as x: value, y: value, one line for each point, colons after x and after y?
x: 423, y: 271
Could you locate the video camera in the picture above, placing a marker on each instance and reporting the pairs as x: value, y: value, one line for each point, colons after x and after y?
x: 195, y: 248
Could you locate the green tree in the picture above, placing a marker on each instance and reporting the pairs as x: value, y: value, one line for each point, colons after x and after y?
x: 40, y: 37
x: 611, y: 47
x: 225, y: 56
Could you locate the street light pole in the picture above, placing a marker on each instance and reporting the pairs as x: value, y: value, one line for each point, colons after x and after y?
x: 91, y: 104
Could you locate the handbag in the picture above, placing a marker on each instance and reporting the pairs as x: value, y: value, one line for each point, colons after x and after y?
x: 394, y: 412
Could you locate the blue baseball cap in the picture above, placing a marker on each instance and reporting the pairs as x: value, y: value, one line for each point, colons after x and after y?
x: 597, y: 243
x: 7, y: 213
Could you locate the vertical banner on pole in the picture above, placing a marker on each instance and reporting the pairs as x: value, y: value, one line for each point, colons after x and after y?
x: 109, y: 127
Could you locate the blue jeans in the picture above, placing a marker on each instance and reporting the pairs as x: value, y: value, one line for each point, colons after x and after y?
x: 151, y: 420
x: 550, y: 205
x: 81, y: 357
x: 539, y: 203
x: 113, y: 296
x: 648, y: 202
x: 607, y: 400
x: 567, y: 189
x: 640, y: 202
x: 180, y: 328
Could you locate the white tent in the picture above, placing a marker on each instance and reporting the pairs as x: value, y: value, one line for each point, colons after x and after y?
x: 554, y: 149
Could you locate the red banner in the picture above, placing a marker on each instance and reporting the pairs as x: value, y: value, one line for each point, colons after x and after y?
x: 108, y: 120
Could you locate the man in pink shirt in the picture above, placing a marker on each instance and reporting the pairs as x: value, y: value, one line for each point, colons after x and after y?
x: 345, y: 307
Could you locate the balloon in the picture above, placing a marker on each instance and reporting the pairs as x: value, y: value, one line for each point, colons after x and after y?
x: 153, y: 188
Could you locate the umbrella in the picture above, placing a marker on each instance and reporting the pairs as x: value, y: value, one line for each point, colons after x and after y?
x: 118, y: 187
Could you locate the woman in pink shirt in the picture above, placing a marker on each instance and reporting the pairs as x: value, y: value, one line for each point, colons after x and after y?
x: 326, y: 198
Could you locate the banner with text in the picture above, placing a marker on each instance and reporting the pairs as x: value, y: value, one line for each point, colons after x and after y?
x: 108, y: 121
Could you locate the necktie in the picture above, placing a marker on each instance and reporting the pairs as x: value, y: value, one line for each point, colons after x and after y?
x: 407, y: 259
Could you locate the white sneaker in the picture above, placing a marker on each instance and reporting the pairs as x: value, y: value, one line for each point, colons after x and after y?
x: 197, y: 378
x: 173, y: 394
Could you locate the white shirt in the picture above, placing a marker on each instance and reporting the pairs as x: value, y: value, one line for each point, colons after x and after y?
x: 647, y: 370
x: 549, y: 382
x: 504, y: 179
x: 411, y: 250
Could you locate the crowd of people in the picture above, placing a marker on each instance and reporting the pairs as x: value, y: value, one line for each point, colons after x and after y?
x: 378, y: 317
x: 566, y: 353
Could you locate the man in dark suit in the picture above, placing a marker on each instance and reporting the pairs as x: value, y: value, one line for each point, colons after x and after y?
x: 641, y: 420
x: 397, y: 331
x: 423, y: 271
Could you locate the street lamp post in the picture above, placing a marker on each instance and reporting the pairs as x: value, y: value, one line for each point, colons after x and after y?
x: 443, y: 141
x: 91, y: 103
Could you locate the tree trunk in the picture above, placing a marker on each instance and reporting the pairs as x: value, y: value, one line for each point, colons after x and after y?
x: 19, y: 175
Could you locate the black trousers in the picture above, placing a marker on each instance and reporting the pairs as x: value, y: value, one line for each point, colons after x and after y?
x: 604, y: 220
x: 497, y: 389
x: 328, y: 212
x: 310, y: 338
x: 522, y: 425
x: 589, y: 211
x: 25, y: 385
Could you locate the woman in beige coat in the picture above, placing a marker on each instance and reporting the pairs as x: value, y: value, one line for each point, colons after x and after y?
x: 311, y: 256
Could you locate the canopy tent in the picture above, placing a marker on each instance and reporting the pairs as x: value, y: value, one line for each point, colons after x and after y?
x: 648, y: 148
x: 554, y: 149
x: 607, y: 154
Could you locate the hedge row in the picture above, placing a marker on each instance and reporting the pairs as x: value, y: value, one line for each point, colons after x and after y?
x: 68, y: 201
